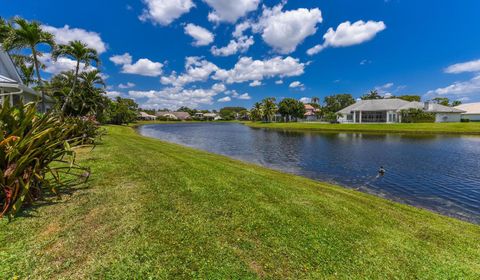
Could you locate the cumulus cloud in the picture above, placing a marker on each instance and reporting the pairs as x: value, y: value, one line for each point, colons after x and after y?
x: 62, y: 64
x: 127, y: 85
x: 164, y: 12
x: 297, y: 85
x: 202, y: 36
x: 279, y: 82
x: 244, y: 96
x: 239, y: 45
x: 236, y: 95
x: 471, y: 86
x: 219, y: 87
x: 255, y: 84
x: 121, y: 59
x: 113, y: 94
x: 285, y: 30
x: 247, y: 69
x: 64, y: 35
x: 225, y: 99
x: 143, y: 66
x: 197, y: 69
x: 306, y: 100
x: 470, y: 66
x: 230, y: 10
x: 173, y: 98
x: 348, y: 34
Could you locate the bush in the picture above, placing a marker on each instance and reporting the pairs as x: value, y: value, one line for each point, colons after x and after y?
x: 30, y: 144
x: 465, y: 120
x: 417, y: 116
x: 86, y: 128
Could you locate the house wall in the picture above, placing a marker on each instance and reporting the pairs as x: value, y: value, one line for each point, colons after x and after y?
x: 448, y: 117
x: 472, y: 117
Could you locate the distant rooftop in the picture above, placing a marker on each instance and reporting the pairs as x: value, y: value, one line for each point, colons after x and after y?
x: 470, y: 108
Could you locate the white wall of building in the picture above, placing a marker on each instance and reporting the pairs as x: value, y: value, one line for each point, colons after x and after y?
x: 447, y: 117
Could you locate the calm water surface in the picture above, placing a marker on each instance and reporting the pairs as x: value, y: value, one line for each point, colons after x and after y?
x: 440, y: 173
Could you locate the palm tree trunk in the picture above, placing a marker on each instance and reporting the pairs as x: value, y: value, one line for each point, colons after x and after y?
x: 39, y: 79
x: 77, y: 69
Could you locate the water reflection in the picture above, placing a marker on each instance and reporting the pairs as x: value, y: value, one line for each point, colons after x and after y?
x: 436, y: 172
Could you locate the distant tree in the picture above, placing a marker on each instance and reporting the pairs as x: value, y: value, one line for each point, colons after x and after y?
x: 123, y: 111
x: 335, y: 103
x: 29, y: 35
x: 417, y: 116
x: 442, y: 101
x: 192, y: 112
x: 373, y: 94
x: 456, y: 103
x: 231, y: 113
x: 291, y: 108
x: 269, y: 108
x: 315, y: 100
x: 410, y: 98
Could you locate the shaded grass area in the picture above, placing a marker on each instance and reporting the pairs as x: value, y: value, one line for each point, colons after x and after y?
x: 411, y: 128
x: 159, y: 210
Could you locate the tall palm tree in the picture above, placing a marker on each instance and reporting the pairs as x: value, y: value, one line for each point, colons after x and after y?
x: 26, y: 67
x: 256, y: 112
x: 4, y: 29
x: 25, y: 34
x: 269, y: 108
x: 79, y: 52
x: 92, y: 79
x: 315, y: 100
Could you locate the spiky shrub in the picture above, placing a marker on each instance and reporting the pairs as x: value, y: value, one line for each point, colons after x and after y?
x: 35, y: 155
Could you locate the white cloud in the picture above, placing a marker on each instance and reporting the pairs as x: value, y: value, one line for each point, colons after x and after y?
x: 164, y: 12
x: 306, y: 100
x: 284, y: 31
x: 240, y: 45
x: 279, y: 82
x: 62, y: 64
x: 202, y: 36
x: 470, y: 66
x: 348, y: 34
x: 113, y: 94
x: 64, y: 35
x: 244, y: 96
x: 255, y: 84
x: 230, y: 10
x: 143, y: 67
x: 225, y: 99
x: 247, y: 69
x: 219, y: 87
x: 297, y: 85
x: 127, y: 85
x: 121, y: 59
x: 365, y: 61
x: 471, y: 86
x: 196, y: 70
x: 173, y: 98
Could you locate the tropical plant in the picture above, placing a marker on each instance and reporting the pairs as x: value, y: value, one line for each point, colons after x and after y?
x: 315, y: 100
x: 291, y: 109
x: 4, y: 29
x: 123, y: 111
x: 35, y: 155
x: 80, y: 53
x: 335, y: 103
x: 373, y: 94
x: 410, y: 98
x: 417, y: 116
x: 26, y: 68
x: 269, y: 108
x: 29, y: 35
x: 256, y: 112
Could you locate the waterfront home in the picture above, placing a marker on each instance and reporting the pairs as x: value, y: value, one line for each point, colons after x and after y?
x: 176, y: 116
x: 311, y: 113
x: 389, y: 111
x: 211, y: 117
x: 146, y: 117
x: 472, y: 111
x: 12, y: 86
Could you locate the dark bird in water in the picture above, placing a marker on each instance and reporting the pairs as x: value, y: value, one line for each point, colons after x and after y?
x: 381, y: 171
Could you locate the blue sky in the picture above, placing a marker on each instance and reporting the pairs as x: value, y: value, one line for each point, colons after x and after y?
x: 169, y: 53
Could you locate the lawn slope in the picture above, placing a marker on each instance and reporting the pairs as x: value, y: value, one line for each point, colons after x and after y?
x: 411, y: 128
x: 159, y: 210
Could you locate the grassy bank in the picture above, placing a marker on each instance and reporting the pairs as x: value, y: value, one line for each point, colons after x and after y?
x: 414, y: 128
x: 161, y: 210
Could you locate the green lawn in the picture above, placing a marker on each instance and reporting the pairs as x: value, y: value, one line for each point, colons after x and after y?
x: 423, y: 128
x: 158, y: 210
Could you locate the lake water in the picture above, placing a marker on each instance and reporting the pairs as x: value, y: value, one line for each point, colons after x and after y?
x: 436, y: 172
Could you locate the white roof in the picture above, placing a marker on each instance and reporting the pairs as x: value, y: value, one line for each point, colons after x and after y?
x: 395, y: 104
x: 470, y: 108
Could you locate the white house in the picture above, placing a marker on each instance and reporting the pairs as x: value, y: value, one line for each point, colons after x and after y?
x: 11, y: 84
x: 472, y: 111
x: 389, y: 111
x: 146, y: 116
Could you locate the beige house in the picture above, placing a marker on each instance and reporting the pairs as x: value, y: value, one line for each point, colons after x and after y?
x: 472, y: 111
